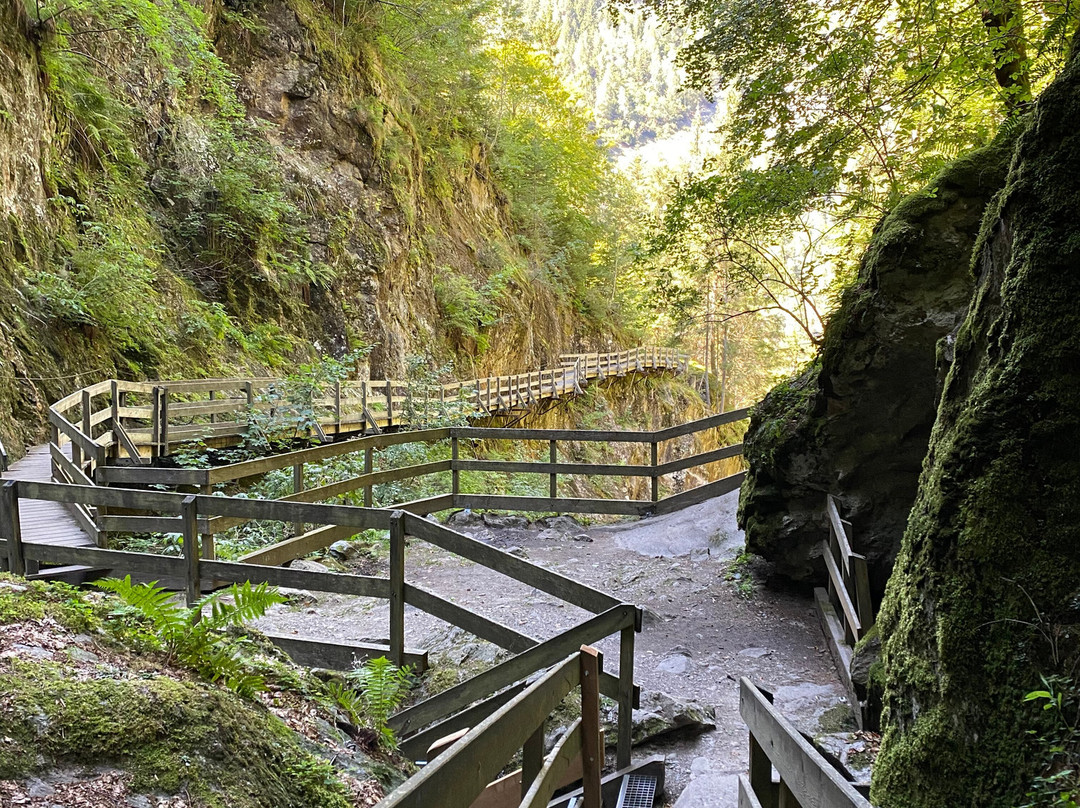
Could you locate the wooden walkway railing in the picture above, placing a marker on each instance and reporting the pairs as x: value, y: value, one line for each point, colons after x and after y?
x: 420, y: 723
x: 806, y: 779
x: 849, y: 580
x: 458, y: 775
x: 140, y: 420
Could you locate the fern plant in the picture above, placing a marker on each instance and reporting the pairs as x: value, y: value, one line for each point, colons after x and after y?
x: 196, y: 637
x: 382, y: 687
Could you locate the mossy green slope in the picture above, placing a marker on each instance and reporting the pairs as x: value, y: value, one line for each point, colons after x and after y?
x: 990, y: 561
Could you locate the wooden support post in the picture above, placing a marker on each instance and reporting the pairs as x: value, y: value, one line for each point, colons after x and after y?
x: 249, y: 390
x: 863, y: 602
x: 337, y: 407
x: 553, y: 479
x: 114, y: 415
x: 87, y: 428
x: 363, y: 406
x: 9, y: 503
x: 626, y: 697
x: 209, y: 553
x: 760, y: 771
x: 592, y: 756
x: 369, y: 462
x: 655, y: 479
x: 213, y: 415
x: 297, y: 487
x: 554, y: 389
x: 786, y: 798
x: 190, y: 523
x: 397, y: 588
x: 155, y: 422
x: 532, y: 758
x: 164, y: 429
x: 389, y: 404
x: 455, y: 475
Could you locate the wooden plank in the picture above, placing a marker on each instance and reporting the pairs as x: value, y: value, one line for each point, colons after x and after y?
x: 149, y: 475
x: 702, y: 424
x: 104, y: 497
x: 456, y: 778
x: 556, y: 765
x: 700, y: 494
x: 513, y: 669
x: 482, y: 627
x: 249, y: 468
x: 723, y: 453
x: 338, y: 655
x: 278, y: 511
x: 812, y: 779
x: 522, y: 467
x: 397, y: 588
x: 73, y: 472
x: 336, y: 582
x: 592, y: 754
x: 189, y: 519
x: 142, y: 524
x: 582, y: 435
x: 545, y: 580
x: 851, y: 616
x: 616, y: 507
x: 121, y: 562
x: 298, y: 546
x: 837, y: 525
x: 72, y: 432
x: 747, y: 797
x: 415, y: 746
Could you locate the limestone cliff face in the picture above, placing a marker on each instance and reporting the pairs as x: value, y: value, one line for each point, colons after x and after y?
x: 983, y: 599
x: 117, y: 150
x: 856, y: 423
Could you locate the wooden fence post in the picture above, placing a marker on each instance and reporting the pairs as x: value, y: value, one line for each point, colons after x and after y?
x: 189, y: 518
x: 389, y: 404
x: 760, y: 771
x: 337, y: 407
x: 9, y: 504
x: 212, y: 397
x: 654, y: 455
x: 592, y: 758
x: 297, y: 487
x: 369, y: 464
x: 208, y: 553
x: 455, y: 474
x: 397, y: 588
x: 114, y: 415
x: 163, y: 428
x: 626, y: 697
x: 363, y: 406
x: 553, y: 479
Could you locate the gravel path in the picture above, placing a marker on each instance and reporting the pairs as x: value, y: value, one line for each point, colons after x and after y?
x: 701, y: 632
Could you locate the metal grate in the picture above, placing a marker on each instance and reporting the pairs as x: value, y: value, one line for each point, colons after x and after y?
x: 638, y: 791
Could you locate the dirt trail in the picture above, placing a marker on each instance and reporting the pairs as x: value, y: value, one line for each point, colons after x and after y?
x: 700, y: 632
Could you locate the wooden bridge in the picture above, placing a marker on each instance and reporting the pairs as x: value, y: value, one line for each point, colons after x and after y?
x: 96, y: 476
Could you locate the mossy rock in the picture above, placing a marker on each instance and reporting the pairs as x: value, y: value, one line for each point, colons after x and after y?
x: 856, y: 423
x: 983, y: 601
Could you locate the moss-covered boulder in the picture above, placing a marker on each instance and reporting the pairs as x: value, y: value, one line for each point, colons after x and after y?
x: 856, y: 423
x: 983, y: 600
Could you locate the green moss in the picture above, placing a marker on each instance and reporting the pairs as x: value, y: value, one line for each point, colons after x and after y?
x: 983, y: 600
x: 22, y: 600
x: 173, y: 736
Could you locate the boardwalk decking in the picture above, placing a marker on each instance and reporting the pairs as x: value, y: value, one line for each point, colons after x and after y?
x: 41, y: 521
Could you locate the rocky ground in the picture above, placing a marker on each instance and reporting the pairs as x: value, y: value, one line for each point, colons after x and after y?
x: 707, y: 623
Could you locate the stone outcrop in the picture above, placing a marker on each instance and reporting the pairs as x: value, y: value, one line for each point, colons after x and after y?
x: 857, y: 421
x: 983, y: 601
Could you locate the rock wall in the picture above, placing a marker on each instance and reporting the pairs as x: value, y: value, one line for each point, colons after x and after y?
x: 857, y: 421
x: 983, y: 600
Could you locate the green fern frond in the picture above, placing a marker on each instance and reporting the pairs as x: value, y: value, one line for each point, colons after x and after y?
x: 383, y: 687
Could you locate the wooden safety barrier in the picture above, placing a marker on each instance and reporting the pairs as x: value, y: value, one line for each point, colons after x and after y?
x: 806, y: 779
x: 190, y: 514
x: 849, y: 581
x: 461, y: 773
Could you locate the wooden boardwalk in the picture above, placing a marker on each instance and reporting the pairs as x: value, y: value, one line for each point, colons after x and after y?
x: 41, y: 521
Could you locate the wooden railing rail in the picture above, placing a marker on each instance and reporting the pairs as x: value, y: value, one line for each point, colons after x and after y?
x: 458, y: 775
x: 187, y: 514
x: 807, y: 780
x: 849, y: 581
x: 116, y: 418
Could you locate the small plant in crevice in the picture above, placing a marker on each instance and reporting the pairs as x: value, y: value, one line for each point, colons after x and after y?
x: 197, y: 636
x: 382, y: 687
x: 740, y: 575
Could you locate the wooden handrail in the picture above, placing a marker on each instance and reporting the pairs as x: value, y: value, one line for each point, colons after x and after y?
x: 806, y: 778
x: 849, y: 580
x: 459, y: 775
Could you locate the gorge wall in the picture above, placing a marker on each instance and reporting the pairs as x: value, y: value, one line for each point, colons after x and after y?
x: 214, y: 188
x: 982, y: 606
x: 857, y: 421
